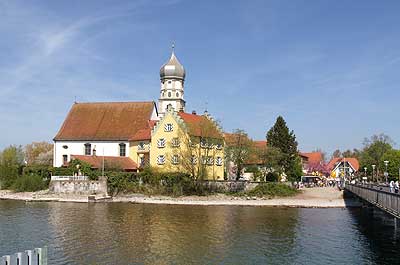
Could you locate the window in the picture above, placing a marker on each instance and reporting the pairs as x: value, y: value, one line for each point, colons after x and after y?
x: 175, y: 159
x: 194, y: 159
x: 219, y: 146
x: 210, y: 160
x: 65, y: 159
x: 218, y: 161
x: 161, y: 143
x: 175, y: 142
x: 141, y: 146
x: 122, y: 149
x: 169, y: 94
x: 168, y: 127
x: 65, y: 146
x: 177, y: 94
x: 161, y: 160
x: 88, y: 149
x: 169, y: 82
x: 203, y: 143
x: 204, y: 160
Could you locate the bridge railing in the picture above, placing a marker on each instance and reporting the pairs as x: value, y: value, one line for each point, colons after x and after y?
x: 38, y: 256
x: 387, y: 201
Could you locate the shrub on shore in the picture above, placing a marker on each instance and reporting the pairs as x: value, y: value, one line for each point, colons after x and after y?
x: 31, y: 182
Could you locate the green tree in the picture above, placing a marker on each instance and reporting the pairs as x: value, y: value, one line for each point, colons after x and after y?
x: 11, y: 164
x: 239, y: 149
x: 280, y: 137
x: 374, y: 149
x: 393, y: 156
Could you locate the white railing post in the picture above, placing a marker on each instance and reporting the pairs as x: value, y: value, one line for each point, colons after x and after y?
x: 5, y: 260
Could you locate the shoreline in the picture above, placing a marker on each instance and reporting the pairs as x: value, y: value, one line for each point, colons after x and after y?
x: 309, y: 198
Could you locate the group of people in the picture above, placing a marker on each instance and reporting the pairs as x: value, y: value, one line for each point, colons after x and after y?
x: 394, y: 186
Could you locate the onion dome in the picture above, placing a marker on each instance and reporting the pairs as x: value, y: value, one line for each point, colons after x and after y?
x: 172, y: 69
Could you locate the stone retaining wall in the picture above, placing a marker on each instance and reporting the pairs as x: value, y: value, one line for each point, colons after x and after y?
x: 83, y: 187
x: 230, y: 186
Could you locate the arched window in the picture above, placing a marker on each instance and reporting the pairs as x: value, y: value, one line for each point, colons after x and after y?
x: 169, y: 94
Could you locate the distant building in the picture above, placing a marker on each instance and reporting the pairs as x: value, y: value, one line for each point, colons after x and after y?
x: 136, y: 134
x: 338, y: 165
x: 312, y: 162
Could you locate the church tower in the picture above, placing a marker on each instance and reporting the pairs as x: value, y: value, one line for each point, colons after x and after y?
x: 172, y: 77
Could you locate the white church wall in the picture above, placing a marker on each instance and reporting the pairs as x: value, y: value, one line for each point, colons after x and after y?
x: 78, y: 148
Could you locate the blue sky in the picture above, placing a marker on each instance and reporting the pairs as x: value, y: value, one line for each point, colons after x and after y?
x: 330, y: 68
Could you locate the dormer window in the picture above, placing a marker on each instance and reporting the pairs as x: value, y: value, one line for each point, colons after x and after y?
x: 168, y: 127
x: 161, y: 143
x: 122, y: 149
x: 88, y: 149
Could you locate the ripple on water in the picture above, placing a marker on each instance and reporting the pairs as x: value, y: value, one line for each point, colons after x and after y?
x: 124, y: 233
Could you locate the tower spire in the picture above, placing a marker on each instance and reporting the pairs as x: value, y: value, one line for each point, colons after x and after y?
x: 173, y: 47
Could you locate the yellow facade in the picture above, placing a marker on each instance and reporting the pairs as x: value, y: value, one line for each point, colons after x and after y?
x: 173, y: 149
x: 139, y: 152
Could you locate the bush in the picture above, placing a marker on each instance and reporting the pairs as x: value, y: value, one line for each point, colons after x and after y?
x: 272, y: 189
x: 29, y: 183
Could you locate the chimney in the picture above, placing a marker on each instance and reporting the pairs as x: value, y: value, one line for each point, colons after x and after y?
x: 194, y: 112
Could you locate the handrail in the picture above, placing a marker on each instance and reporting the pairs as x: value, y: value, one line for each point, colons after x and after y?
x: 387, y: 201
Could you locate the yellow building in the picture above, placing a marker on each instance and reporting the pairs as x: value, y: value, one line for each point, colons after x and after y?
x: 190, y: 143
x: 140, y: 134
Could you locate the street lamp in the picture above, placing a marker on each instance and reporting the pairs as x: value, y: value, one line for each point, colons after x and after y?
x: 373, y: 172
x: 365, y: 173
x: 386, y: 172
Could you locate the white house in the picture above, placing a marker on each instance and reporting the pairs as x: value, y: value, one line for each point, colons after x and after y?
x: 102, y: 129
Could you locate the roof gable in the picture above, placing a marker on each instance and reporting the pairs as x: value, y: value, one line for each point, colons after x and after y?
x: 105, y: 121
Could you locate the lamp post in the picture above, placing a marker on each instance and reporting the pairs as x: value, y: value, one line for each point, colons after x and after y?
x: 373, y: 172
x: 386, y: 172
x: 365, y: 173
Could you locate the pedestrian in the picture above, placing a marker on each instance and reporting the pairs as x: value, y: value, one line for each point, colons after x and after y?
x: 391, y: 186
x: 396, y: 186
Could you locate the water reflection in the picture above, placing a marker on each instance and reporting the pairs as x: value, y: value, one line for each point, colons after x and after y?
x: 125, y: 233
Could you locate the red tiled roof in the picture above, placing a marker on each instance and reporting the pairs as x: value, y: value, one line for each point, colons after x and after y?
x: 96, y: 162
x: 144, y: 134
x: 260, y: 144
x: 199, y: 125
x: 313, y: 157
x: 353, y: 161
x: 105, y: 121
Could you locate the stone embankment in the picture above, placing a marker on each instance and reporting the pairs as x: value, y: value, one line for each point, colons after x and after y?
x: 312, y: 197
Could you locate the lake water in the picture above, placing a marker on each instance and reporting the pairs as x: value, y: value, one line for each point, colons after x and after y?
x: 125, y: 233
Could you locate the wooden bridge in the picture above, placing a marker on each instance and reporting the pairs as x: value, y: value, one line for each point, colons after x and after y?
x: 381, y: 198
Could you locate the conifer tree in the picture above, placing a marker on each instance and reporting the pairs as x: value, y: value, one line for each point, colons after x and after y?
x: 280, y: 137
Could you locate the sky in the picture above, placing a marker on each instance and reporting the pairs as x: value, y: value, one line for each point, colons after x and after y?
x: 330, y: 68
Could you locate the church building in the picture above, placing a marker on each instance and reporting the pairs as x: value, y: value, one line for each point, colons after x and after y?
x: 132, y: 135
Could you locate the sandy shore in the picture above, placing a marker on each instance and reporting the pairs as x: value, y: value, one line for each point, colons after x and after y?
x: 313, y: 197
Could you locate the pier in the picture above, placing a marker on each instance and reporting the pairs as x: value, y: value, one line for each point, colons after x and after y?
x: 381, y: 198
